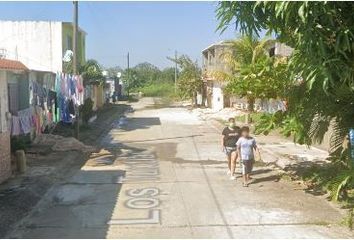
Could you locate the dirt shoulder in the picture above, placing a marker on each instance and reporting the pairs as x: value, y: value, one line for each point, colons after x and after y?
x: 45, y: 168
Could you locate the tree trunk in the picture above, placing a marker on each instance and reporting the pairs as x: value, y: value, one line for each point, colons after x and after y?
x: 250, y: 109
x: 194, y: 100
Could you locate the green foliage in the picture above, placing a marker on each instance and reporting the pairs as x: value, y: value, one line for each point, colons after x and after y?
x: 288, y: 125
x: 68, y: 67
x: 167, y: 75
x: 131, y: 80
x: 321, y: 33
x: 158, y: 90
x: 322, y: 62
x: 146, y: 73
x: 335, y: 178
x: 86, y: 111
x: 255, y: 117
x: 91, y: 73
x: 253, y: 73
x: 268, y: 122
x: 189, y: 79
x: 349, y: 219
x: 19, y: 143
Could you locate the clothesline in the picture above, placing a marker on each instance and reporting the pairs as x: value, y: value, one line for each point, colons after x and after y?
x: 49, y: 106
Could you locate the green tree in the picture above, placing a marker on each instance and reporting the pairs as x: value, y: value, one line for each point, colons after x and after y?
x: 167, y: 75
x: 189, y: 79
x: 322, y: 35
x: 252, y: 72
x: 147, y: 73
x: 91, y: 72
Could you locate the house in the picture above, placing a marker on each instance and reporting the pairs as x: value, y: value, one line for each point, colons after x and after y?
x: 11, y: 72
x: 212, y: 61
x: 41, y: 47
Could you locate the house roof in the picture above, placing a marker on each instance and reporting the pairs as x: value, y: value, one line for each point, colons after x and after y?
x: 221, y: 43
x: 6, y: 64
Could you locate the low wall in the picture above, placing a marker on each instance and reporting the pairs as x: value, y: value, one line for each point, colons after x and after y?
x: 5, y: 157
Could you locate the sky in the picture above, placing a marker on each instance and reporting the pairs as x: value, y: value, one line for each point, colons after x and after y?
x: 149, y: 31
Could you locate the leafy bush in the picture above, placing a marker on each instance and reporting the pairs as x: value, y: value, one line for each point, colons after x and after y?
x: 158, y: 90
x: 336, y: 178
x: 268, y: 122
x: 19, y: 143
x: 255, y: 117
x: 86, y: 110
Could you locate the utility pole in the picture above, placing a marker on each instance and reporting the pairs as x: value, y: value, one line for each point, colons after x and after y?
x: 75, y: 72
x: 128, y: 73
x: 175, y: 71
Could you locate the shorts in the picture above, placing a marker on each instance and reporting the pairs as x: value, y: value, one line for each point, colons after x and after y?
x: 229, y: 150
x: 247, y: 166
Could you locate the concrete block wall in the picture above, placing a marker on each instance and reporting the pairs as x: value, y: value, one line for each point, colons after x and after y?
x: 5, y: 156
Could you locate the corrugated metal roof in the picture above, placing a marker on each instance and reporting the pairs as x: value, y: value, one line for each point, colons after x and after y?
x: 6, y: 64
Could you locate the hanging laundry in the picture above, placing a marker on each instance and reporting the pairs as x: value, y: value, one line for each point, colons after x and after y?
x: 25, y: 118
x: 15, y: 126
x: 71, y: 107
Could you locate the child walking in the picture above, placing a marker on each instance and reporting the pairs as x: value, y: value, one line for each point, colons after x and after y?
x: 246, y: 145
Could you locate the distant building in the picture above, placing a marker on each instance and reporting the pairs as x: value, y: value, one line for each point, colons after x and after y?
x: 282, y: 50
x: 10, y: 73
x: 213, y: 61
x: 213, y: 92
x: 40, y: 46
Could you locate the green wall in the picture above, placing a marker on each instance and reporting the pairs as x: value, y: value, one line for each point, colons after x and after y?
x: 68, y: 32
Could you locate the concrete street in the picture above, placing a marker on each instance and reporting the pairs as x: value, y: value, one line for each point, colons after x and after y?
x: 161, y: 174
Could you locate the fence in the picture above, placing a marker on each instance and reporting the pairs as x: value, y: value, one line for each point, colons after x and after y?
x: 269, y: 106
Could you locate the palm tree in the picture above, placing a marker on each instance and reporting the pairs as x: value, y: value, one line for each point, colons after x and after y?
x: 247, y: 59
x: 91, y: 72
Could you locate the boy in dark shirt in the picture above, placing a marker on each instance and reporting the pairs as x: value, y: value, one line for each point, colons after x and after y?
x: 230, y: 135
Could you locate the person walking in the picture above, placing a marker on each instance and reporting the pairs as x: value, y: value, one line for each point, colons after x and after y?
x: 246, y: 145
x: 230, y: 135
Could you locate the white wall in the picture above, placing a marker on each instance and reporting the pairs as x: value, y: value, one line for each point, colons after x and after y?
x: 3, y: 102
x: 37, y: 44
x: 282, y: 50
x: 218, y: 98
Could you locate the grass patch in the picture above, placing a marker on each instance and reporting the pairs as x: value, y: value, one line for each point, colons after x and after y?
x: 348, y: 220
x: 255, y: 117
x: 158, y: 90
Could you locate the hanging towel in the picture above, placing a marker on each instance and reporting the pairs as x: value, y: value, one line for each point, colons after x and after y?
x: 15, y: 126
x: 25, y: 118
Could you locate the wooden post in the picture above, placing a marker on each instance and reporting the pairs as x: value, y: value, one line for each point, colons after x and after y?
x: 21, y: 161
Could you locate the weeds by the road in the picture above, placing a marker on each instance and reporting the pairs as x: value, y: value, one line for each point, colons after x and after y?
x: 158, y: 90
x: 348, y: 221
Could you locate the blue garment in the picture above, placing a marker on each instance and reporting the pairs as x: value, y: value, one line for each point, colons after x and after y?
x: 72, y: 85
x: 351, y: 138
x: 25, y: 119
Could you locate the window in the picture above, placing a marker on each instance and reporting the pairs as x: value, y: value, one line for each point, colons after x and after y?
x: 69, y: 42
x: 13, y: 97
